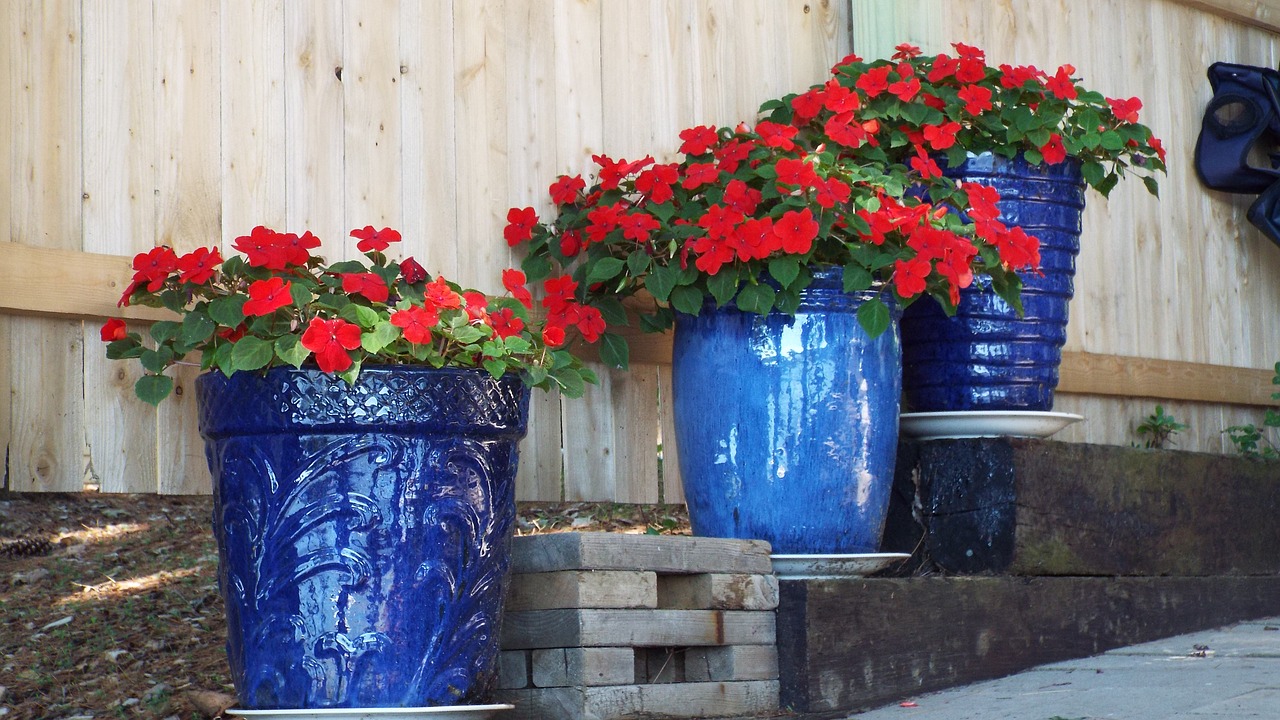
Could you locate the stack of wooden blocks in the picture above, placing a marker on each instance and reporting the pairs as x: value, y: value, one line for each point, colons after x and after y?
x: 608, y: 625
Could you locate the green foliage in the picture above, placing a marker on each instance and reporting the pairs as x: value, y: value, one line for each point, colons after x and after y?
x: 1159, y: 429
x: 1256, y: 441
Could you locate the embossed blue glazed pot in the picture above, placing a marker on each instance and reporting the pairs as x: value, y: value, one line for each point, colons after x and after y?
x: 787, y: 426
x: 986, y: 357
x: 363, y: 531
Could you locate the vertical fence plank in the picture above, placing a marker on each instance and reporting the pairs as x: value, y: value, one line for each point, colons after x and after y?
x: 253, y: 118
x: 189, y: 197
x: 532, y: 108
x: 480, y: 122
x: 47, y: 448
x: 118, y: 122
x: 371, y: 117
x: 429, y: 152
x: 315, y: 186
x: 13, y: 43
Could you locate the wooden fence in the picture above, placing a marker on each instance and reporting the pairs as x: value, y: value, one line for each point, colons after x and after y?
x: 131, y: 123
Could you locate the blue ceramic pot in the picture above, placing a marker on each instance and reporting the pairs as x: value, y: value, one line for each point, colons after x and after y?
x: 787, y: 426
x: 986, y: 357
x: 362, y: 531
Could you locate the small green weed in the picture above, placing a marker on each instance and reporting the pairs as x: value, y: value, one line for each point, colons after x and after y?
x: 1253, y: 441
x: 1159, y: 429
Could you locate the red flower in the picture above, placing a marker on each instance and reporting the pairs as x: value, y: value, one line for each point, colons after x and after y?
x: 263, y: 247
x: 943, y: 68
x: 330, y: 340
x: 415, y: 323
x: 637, y: 226
x: 267, y: 296
x: 845, y: 130
x: 874, y: 81
x: 839, y: 99
x: 553, y: 336
x: 1053, y: 151
x: 971, y: 70
x: 374, y: 240
x: 590, y: 323
x: 1017, y: 77
x: 982, y: 201
x: 476, y: 305
x: 754, y: 239
x: 976, y: 99
x: 797, y: 230
x: 969, y: 52
x: 807, y: 106
x: 611, y: 172
x: 719, y: 221
x: 197, y: 266
x: 775, y: 135
x: 1060, y: 84
x: 741, y: 197
x: 520, y: 224
x: 905, y: 89
x: 369, y: 285
x: 1125, y: 110
x: 925, y: 165
x: 439, y: 294
x: 114, y: 329
x: 656, y: 182
x: 233, y: 334
x: 906, y: 51
x: 506, y: 323
x: 941, y: 137
x: 411, y: 271
x: 909, y: 276
x: 698, y: 140
x: 1158, y: 147
x: 698, y: 174
x: 153, y: 267
x: 570, y: 243
x: 833, y: 191
x: 732, y: 154
x: 513, y: 280
x: 566, y: 188
x: 604, y: 220
x: 795, y: 172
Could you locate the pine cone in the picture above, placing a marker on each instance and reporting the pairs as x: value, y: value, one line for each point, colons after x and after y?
x: 25, y: 547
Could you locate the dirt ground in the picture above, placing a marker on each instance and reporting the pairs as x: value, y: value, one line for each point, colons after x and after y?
x: 109, y: 604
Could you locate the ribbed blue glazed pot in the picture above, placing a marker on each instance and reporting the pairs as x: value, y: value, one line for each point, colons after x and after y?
x: 787, y: 426
x: 363, y: 531
x: 986, y: 357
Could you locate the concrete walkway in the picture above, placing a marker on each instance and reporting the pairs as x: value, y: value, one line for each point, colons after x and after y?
x: 1232, y: 672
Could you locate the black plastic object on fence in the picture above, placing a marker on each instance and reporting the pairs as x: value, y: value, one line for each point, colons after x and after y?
x: 1242, y: 123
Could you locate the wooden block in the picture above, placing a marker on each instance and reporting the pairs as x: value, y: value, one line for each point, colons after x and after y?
x: 675, y: 700
x: 731, y: 662
x: 659, y: 665
x: 848, y: 645
x: 656, y: 553
x: 583, y: 589
x: 1036, y: 507
x: 513, y: 669
x: 612, y: 628
x: 718, y: 591
x: 583, y: 666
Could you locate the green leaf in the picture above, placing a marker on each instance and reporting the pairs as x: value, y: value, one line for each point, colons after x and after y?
x: 1093, y: 172
x: 156, y: 360
x: 153, y: 388
x: 536, y: 267
x: 784, y: 269
x: 365, y: 317
x: 467, y: 334
x: 857, y: 278
x: 1033, y: 156
x: 570, y: 382
x: 612, y: 310
x: 290, y: 350
x: 251, y: 353
x: 660, y: 282
x: 228, y: 311
x: 687, y: 299
x: 382, y: 335
x: 614, y: 351
x: 605, y: 268
x: 496, y: 368
x: 756, y: 298
x: 787, y: 302
x: 638, y: 262
x: 300, y: 294
x: 197, y: 327
x: 1112, y: 140
x: 1153, y: 187
x: 723, y: 286
x: 873, y: 316
x: 165, y: 330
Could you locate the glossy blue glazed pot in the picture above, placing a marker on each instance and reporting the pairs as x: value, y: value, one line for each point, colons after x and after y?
x: 986, y: 357
x: 363, y: 531
x: 787, y: 426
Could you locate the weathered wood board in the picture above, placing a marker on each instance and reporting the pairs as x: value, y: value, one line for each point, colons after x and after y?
x: 718, y: 591
x: 660, y: 628
x: 851, y: 644
x: 657, y: 553
x: 583, y: 589
x: 672, y: 700
x: 1035, y: 507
